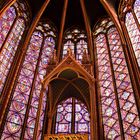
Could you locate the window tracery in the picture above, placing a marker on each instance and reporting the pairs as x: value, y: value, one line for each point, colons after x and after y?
x: 25, y: 100
x: 119, y: 110
x: 12, y: 27
x: 72, y: 117
x: 117, y: 98
x: 76, y: 40
x: 130, y: 11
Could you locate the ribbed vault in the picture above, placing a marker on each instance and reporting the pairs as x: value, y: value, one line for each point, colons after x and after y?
x: 67, y: 85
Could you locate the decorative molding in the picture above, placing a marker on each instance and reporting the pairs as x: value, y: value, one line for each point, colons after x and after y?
x: 66, y: 137
x: 69, y: 62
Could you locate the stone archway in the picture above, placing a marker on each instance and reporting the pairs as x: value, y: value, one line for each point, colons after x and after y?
x: 71, y: 74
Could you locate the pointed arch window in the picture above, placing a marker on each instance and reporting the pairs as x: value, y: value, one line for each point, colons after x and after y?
x: 119, y: 110
x: 72, y: 117
x: 132, y: 24
x: 12, y: 27
x: 22, y: 112
x: 76, y: 40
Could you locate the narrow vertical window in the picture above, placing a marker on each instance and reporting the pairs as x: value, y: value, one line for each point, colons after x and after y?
x: 108, y: 99
x: 82, y: 120
x: 12, y: 27
x: 22, y: 91
x: 129, y: 113
x: 64, y: 117
x: 119, y: 110
x: 129, y: 13
x: 134, y: 34
x: 72, y: 113
x: 80, y: 47
x: 76, y: 40
x: 23, y: 107
x: 69, y: 44
x: 137, y: 9
x: 6, y: 21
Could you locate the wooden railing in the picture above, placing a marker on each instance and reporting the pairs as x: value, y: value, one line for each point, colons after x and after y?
x: 66, y: 137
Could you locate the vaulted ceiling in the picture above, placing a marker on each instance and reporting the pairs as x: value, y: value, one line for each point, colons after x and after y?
x: 74, y: 16
x: 67, y: 85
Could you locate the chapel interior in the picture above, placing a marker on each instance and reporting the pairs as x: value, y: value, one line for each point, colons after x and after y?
x: 69, y: 69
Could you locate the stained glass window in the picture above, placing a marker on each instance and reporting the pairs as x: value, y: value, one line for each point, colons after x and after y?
x: 132, y: 22
x: 129, y: 113
x: 134, y: 34
x: 76, y: 40
x: 6, y: 22
x: 81, y: 46
x: 12, y: 26
x: 119, y: 110
x: 72, y: 117
x: 68, y: 44
x: 82, y: 120
x: 24, y: 104
x: 64, y: 117
x: 108, y: 101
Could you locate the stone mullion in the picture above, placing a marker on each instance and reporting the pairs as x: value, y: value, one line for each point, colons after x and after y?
x: 98, y: 92
x: 73, y: 117
x: 38, y: 112
x: 135, y: 76
x: 115, y: 90
x: 6, y: 39
x: 22, y: 55
x: 2, y: 47
x: 5, y: 109
x: 75, y: 49
x: 130, y: 47
x: 136, y: 20
x: 6, y: 6
x: 50, y: 110
x: 114, y: 16
x: 10, y: 86
x: 136, y: 84
x: 13, y: 66
x: 31, y: 92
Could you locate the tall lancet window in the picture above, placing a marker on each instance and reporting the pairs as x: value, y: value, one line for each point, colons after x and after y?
x: 119, y: 111
x: 72, y: 117
x: 12, y: 26
x: 23, y: 107
x: 76, y: 40
x: 132, y: 24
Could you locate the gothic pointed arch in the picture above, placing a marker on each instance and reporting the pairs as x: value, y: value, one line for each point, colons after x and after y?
x: 69, y: 79
x: 77, y: 84
x: 76, y: 39
x: 129, y: 15
x: 13, y: 24
x: 22, y: 110
x: 117, y: 95
x: 69, y: 62
x: 72, y: 116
